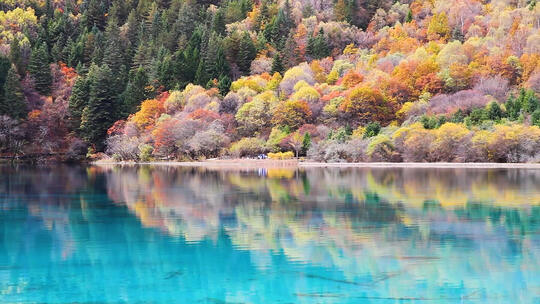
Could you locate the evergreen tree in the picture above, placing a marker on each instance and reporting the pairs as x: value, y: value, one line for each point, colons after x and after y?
x: 77, y: 102
x: 40, y: 70
x: 494, y: 111
x: 457, y: 34
x: 317, y: 46
x: 113, y: 56
x: 352, y: 8
x: 94, y: 15
x: 246, y: 53
x: 113, y: 53
x: 5, y: 66
x: 213, y: 63
x: 224, y: 84
x: 218, y: 22
x: 531, y: 101
x: 277, y: 64
x: 263, y: 16
x: 101, y: 111
x: 221, y: 68
x: 15, y: 56
x: 132, y: 27
x: 284, y: 22
x: 306, y: 142
x: 13, y: 103
x: 186, y: 62
x: 289, y: 52
x: 136, y: 91
x: 409, y: 17
x: 271, y: 32
x: 513, y: 108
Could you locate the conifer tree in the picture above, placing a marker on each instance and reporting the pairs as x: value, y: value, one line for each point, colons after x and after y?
x: 277, y: 64
x: 77, y: 102
x: 224, y: 84
x: 5, y: 66
x: 40, y: 70
x: 218, y: 22
x: 101, y: 111
x: 94, y: 14
x: 13, y: 103
x: 409, y: 17
x: 112, y: 55
x: 136, y: 91
x: 246, y: 53
x: 15, y: 55
x: 317, y: 46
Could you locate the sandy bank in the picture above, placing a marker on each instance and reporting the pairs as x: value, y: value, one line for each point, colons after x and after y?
x: 249, y: 163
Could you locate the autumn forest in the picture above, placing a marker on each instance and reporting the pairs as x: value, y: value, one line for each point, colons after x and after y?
x: 328, y: 80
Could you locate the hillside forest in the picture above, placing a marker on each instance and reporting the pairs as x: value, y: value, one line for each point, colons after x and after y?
x: 329, y: 80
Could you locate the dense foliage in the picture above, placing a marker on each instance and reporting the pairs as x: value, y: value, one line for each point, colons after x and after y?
x: 345, y: 80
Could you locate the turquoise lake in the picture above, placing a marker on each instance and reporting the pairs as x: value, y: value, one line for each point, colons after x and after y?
x: 144, y: 234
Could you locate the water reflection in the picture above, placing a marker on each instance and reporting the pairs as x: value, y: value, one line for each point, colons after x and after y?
x: 260, y: 236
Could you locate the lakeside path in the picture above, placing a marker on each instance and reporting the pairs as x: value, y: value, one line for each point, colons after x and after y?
x: 249, y: 163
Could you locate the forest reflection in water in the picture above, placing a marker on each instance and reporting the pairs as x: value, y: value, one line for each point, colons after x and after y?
x: 388, y: 233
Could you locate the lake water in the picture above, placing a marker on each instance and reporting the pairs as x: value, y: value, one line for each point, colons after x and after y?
x: 191, y: 235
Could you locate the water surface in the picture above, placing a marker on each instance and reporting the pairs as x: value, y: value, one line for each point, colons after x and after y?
x: 145, y: 234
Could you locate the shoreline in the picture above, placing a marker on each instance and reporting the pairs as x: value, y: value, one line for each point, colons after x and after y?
x: 252, y: 164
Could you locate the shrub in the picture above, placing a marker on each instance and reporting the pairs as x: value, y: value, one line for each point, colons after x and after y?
x: 514, y: 143
x: 281, y: 155
x: 450, y: 138
x: 535, y: 118
x: 372, y: 129
x: 122, y: 147
x: 381, y: 149
x: 145, y: 152
x: 417, y: 145
x: 249, y: 146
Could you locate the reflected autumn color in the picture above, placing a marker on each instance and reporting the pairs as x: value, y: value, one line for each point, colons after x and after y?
x: 393, y: 233
x: 325, y: 216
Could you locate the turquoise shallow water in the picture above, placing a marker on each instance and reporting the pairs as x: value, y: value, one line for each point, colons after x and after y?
x: 185, y: 235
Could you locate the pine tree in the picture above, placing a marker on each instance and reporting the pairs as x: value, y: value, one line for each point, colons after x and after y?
x: 113, y: 55
x: 271, y: 32
x: 409, y: 17
x: 317, y: 46
x: 246, y: 53
x: 352, y: 8
x: 136, y: 91
x: 224, y: 84
x: 284, y: 22
x: 222, y: 68
x: 132, y: 28
x: 94, y: 15
x: 15, y: 56
x: 185, y: 62
x: 40, y: 70
x: 13, y: 103
x: 531, y: 102
x: 218, y: 22
x: 5, y: 66
x: 77, y: 102
x: 306, y: 142
x: 494, y: 111
x: 101, y: 111
x: 277, y: 64
x: 263, y: 16
x: 213, y: 63
x: 289, y: 52
x: 457, y: 34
